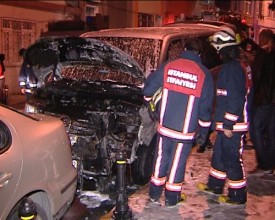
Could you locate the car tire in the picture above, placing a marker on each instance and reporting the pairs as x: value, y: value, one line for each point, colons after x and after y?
x: 41, y: 213
x: 143, y: 165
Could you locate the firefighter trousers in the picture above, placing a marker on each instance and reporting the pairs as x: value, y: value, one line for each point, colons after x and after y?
x: 227, y: 164
x: 169, y: 169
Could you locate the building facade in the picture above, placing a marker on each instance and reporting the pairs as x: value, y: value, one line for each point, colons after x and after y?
x: 23, y: 22
x: 256, y: 13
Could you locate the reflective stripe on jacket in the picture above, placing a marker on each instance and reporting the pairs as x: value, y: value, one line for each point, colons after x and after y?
x: 186, y: 97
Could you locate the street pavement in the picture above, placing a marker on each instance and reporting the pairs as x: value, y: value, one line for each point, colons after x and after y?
x: 199, y: 205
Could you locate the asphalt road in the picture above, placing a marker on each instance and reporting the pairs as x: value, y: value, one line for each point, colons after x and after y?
x: 78, y: 211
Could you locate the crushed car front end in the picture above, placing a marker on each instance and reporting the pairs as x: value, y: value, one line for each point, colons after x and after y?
x: 95, y: 89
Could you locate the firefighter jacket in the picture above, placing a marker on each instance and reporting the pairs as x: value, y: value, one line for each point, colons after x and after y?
x: 232, y: 96
x: 187, y: 96
x: 27, y: 79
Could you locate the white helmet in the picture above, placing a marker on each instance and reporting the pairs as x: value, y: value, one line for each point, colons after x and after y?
x: 224, y: 38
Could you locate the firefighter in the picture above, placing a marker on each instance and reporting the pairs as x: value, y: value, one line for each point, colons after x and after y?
x: 184, y: 113
x: 27, y: 80
x: 231, y: 120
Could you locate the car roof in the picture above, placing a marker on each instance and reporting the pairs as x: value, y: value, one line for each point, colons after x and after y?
x: 217, y: 24
x: 154, y: 32
x: 202, y: 22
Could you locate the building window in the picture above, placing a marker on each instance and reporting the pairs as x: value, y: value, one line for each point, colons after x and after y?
x: 145, y: 20
x: 16, y: 34
x: 261, y: 11
x: 271, y: 14
x: 248, y: 7
x: 91, y: 10
x: 235, y: 5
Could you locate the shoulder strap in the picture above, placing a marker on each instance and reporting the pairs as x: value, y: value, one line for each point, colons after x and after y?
x: 248, y: 74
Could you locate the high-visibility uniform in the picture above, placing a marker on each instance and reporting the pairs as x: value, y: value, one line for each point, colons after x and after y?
x: 232, y: 103
x: 184, y: 109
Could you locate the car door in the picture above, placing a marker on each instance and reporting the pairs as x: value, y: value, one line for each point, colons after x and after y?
x: 10, y: 164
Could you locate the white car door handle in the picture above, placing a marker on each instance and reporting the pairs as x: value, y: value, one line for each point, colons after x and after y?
x: 4, y: 179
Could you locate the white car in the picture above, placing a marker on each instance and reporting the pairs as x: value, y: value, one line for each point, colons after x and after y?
x: 35, y: 163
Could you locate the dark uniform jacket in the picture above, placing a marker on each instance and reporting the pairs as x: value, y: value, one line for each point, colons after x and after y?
x: 187, y: 96
x: 264, y: 80
x: 232, y: 96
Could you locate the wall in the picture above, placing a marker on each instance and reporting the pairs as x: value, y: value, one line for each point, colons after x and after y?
x: 189, y: 8
x: 120, y: 13
x: 150, y: 7
x: 125, y: 13
x: 157, y: 8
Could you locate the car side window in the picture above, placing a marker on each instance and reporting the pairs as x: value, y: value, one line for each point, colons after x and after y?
x: 174, y: 50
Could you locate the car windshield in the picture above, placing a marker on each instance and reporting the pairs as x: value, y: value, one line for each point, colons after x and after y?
x: 144, y: 50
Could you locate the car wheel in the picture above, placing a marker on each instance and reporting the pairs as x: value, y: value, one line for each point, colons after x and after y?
x: 41, y: 213
x: 143, y: 165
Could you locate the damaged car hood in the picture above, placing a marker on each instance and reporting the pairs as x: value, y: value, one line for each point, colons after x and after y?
x: 82, y: 60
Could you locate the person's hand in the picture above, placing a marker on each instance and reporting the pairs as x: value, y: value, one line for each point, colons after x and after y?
x: 228, y: 133
x: 23, y: 91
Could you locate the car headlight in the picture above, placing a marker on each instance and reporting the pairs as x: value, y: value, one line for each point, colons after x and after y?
x: 5, y: 137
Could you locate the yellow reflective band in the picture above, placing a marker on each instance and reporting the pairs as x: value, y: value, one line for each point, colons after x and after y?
x: 28, y: 217
x: 121, y: 162
x: 238, y: 38
x: 152, y: 106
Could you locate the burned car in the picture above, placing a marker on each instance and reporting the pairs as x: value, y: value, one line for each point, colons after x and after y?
x: 95, y: 89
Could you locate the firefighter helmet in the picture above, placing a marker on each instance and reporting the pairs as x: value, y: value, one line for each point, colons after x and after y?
x: 224, y: 38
